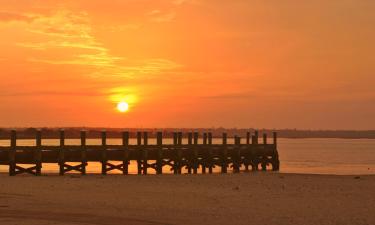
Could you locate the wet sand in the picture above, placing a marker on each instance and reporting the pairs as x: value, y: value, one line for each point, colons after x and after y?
x: 254, y: 198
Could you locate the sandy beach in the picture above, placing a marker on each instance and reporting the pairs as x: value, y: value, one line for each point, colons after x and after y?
x: 254, y: 198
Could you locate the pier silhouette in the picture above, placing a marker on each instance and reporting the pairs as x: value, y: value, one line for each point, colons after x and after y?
x: 193, y: 156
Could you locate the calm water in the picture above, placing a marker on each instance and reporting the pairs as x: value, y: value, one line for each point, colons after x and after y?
x: 319, y: 156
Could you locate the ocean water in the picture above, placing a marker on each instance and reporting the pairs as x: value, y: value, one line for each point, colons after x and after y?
x: 312, y: 156
x: 327, y: 156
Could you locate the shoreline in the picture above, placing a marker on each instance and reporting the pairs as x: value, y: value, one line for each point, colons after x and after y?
x: 246, y: 198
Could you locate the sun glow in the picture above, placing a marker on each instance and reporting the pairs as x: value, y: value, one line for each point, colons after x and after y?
x: 122, y: 107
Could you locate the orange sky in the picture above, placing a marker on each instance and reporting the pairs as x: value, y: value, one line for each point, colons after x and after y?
x: 188, y: 63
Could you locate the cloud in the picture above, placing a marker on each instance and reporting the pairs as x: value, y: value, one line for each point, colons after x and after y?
x: 119, y: 28
x: 169, y: 14
x: 72, y: 33
x: 161, y: 17
x: 180, y: 2
x: 51, y: 93
x: 11, y: 17
x: 235, y: 95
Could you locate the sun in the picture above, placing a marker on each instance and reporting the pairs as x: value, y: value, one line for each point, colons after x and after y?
x: 122, y: 107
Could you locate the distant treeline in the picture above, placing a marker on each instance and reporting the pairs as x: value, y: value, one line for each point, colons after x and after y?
x: 168, y: 132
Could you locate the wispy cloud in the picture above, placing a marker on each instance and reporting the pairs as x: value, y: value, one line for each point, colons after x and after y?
x: 11, y: 17
x: 180, y: 2
x: 161, y: 17
x: 51, y: 93
x: 72, y: 33
x: 233, y: 95
x: 120, y: 28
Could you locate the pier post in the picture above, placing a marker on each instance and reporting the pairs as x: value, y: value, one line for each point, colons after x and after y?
x: 159, y: 161
x: 179, y: 138
x: 210, y: 157
x: 139, y: 152
x: 104, y: 152
x: 179, y: 152
x: 275, y: 139
x: 175, y: 138
x: 190, y: 138
x: 256, y: 137
x: 145, y: 153
x: 175, y: 142
x: 38, y: 153
x: 83, y: 152
x: 248, y: 135
x: 264, y: 158
x: 276, y: 161
x: 12, y: 153
x: 204, y: 160
x: 125, y: 144
x: 62, y: 153
x: 224, y: 150
x: 190, y: 158
x: 237, y: 155
x: 196, y: 160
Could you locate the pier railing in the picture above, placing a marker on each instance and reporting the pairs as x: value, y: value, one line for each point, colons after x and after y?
x: 193, y: 156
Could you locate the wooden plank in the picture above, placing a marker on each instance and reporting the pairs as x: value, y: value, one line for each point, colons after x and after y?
x: 264, y: 138
x: 125, y: 143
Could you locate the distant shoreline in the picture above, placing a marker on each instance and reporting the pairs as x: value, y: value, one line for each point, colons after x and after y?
x: 95, y: 132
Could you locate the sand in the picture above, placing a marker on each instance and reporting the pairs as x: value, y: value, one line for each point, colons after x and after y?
x: 253, y: 198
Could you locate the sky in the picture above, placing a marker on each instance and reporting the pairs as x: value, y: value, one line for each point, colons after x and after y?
x: 188, y: 63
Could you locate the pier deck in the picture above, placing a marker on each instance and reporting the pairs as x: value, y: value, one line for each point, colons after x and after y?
x: 194, y: 157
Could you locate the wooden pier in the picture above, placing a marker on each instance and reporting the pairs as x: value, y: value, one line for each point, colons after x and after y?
x: 195, y: 158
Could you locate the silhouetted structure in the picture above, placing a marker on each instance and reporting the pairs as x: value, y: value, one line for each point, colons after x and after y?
x: 192, y: 156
